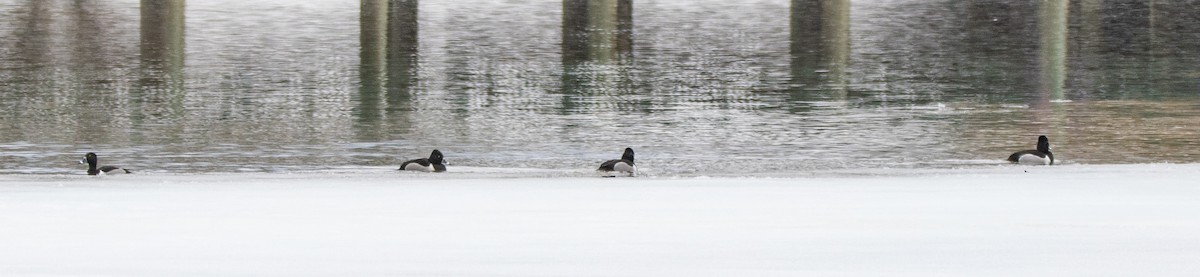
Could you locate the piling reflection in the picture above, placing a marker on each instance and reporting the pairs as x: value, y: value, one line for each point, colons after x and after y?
x: 596, y: 31
x: 820, y: 49
x: 401, y: 53
x: 1052, y: 55
x: 1052, y: 64
x: 372, y: 67
x: 596, y: 44
x: 387, y: 69
x: 160, y: 90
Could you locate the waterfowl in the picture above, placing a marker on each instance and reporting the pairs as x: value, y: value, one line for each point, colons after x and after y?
x: 90, y: 160
x: 431, y: 164
x: 625, y: 164
x: 1041, y: 155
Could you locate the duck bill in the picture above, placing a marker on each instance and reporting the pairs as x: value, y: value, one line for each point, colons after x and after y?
x: 83, y: 161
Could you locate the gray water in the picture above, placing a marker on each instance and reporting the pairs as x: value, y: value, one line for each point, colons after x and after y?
x: 734, y: 87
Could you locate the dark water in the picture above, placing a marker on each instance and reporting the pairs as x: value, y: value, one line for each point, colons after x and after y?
x: 694, y: 86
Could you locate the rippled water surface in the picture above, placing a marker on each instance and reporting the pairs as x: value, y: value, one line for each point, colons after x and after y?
x: 694, y: 86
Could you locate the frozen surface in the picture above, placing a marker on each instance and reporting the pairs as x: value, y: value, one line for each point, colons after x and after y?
x: 1120, y: 220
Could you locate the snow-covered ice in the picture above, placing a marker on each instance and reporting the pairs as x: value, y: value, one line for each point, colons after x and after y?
x: 1078, y: 220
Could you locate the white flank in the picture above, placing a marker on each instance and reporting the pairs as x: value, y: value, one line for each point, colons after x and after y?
x: 624, y: 167
x: 1033, y: 159
x: 418, y: 167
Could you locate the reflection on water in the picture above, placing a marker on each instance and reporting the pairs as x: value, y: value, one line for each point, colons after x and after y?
x: 820, y: 48
x: 703, y: 87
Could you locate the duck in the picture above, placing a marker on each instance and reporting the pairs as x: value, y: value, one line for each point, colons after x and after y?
x: 1039, y: 156
x: 625, y: 164
x: 431, y: 164
x: 90, y: 160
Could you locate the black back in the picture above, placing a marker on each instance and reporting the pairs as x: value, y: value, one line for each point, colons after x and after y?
x: 111, y: 168
x: 627, y: 158
x: 435, y: 159
x: 421, y: 161
x: 1016, y: 157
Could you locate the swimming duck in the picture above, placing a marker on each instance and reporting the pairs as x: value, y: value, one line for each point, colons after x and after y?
x: 625, y: 164
x: 431, y: 164
x: 1040, y: 156
x: 90, y: 160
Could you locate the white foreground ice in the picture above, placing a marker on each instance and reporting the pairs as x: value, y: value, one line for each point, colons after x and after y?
x: 1120, y: 220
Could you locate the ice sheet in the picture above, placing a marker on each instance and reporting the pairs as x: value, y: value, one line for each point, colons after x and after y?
x: 1117, y: 220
